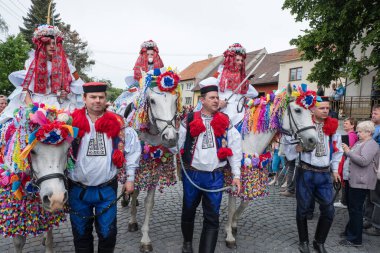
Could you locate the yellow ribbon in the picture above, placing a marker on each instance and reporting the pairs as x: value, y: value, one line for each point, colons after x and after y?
x: 70, y: 128
x: 24, y: 154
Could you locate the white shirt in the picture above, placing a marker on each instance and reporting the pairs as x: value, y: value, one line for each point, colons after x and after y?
x: 205, y: 154
x: 94, y: 160
x: 324, y: 161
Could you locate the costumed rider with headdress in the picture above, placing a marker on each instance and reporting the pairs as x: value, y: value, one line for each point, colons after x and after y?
x: 148, y: 60
x: 104, y: 148
x: 207, y: 140
x: 230, y: 74
x: 313, y: 178
x: 48, y: 77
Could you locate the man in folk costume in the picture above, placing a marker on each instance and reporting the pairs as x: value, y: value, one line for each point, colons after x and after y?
x: 48, y: 77
x: 230, y: 75
x: 313, y: 178
x: 148, y: 60
x: 104, y: 146
x: 208, y: 141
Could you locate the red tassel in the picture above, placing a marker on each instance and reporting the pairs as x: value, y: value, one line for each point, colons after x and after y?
x: 80, y: 121
x: 219, y: 124
x: 118, y: 158
x: 108, y: 124
x: 196, y: 127
x: 330, y: 126
x: 223, y: 153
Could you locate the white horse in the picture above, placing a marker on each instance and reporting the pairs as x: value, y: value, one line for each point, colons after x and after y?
x: 160, y: 134
x: 295, y: 119
x: 44, y: 194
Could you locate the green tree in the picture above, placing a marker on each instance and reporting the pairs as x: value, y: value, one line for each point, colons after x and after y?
x: 76, y: 50
x: 13, y: 53
x: 37, y: 15
x: 337, y: 28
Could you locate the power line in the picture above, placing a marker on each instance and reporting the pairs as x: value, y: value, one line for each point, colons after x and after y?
x: 17, y: 6
x: 22, y: 5
x: 10, y: 11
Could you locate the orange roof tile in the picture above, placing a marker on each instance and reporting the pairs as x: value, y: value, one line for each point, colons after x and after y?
x: 193, y: 69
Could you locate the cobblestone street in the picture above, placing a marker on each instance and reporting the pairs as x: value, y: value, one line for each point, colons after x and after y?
x: 268, y: 225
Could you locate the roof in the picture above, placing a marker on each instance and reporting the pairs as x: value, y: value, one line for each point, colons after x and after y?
x: 269, y: 68
x: 249, y: 63
x: 195, y: 68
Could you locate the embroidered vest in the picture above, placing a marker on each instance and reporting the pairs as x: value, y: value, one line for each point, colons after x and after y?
x: 191, y: 142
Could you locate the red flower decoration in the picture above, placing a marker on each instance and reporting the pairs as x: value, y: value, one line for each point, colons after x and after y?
x: 168, y: 81
x: 219, y: 124
x: 197, y: 127
x: 307, y: 99
x: 223, y: 153
x: 118, y: 158
x: 49, y: 133
x: 330, y: 126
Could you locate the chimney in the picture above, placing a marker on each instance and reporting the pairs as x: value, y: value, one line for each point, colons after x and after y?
x: 209, y: 56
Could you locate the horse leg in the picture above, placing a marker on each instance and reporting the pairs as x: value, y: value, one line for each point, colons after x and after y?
x: 146, y: 244
x: 19, y: 242
x: 49, y: 241
x: 243, y: 205
x: 230, y: 239
x: 132, y: 225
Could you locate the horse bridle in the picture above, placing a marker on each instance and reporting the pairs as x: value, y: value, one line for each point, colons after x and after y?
x: 292, y: 122
x: 40, y: 180
x: 154, y: 119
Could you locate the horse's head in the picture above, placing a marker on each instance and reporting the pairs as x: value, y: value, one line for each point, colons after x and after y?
x: 48, y: 165
x: 297, y: 118
x: 50, y: 133
x: 162, y: 112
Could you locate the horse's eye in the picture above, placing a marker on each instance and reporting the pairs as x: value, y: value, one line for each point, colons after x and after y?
x: 297, y: 110
x: 152, y: 101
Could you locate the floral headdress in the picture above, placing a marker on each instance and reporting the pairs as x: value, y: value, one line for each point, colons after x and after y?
x: 142, y: 60
x: 149, y: 44
x: 304, y: 97
x: 236, y: 48
x: 50, y: 126
x: 46, y: 31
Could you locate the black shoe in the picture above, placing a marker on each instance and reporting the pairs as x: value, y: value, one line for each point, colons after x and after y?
x: 105, y: 250
x: 304, y: 247
x: 187, y: 247
x: 347, y: 243
x: 319, y: 247
x: 209, y: 237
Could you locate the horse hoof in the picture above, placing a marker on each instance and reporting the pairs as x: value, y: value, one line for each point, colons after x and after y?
x: 133, y: 227
x: 145, y: 248
x: 124, y: 203
x: 234, y: 230
x: 231, y: 244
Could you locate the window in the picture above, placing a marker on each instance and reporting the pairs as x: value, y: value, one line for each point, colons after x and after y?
x: 189, y: 86
x: 188, y: 100
x: 295, y: 74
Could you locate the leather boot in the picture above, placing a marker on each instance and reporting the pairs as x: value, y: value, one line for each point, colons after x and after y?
x: 323, y: 228
x: 209, y: 237
x: 303, y: 235
x: 105, y: 250
x: 187, y: 232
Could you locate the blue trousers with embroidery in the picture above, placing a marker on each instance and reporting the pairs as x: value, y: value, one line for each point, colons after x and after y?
x: 84, y: 201
x: 311, y: 185
x: 192, y: 196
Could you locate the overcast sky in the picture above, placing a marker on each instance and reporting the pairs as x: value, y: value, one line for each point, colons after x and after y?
x: 185, y: 31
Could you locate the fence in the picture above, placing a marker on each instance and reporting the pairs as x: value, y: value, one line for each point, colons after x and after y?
x: 357, y: 107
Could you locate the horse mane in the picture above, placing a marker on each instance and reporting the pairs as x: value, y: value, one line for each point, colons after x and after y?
x: 265, y: 113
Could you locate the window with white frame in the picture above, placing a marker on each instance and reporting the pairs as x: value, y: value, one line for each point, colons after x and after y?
x: 189, y: 86
x: 295, y: 74
x: 188, y: 100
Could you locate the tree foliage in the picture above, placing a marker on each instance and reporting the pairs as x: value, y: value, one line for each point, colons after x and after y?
x: 37, y: 15
x: 337, y: 28
x: 76, y: 50
x: 13, y: 53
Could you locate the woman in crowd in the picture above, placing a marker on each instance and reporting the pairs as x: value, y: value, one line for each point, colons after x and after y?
x: 362, y: 161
